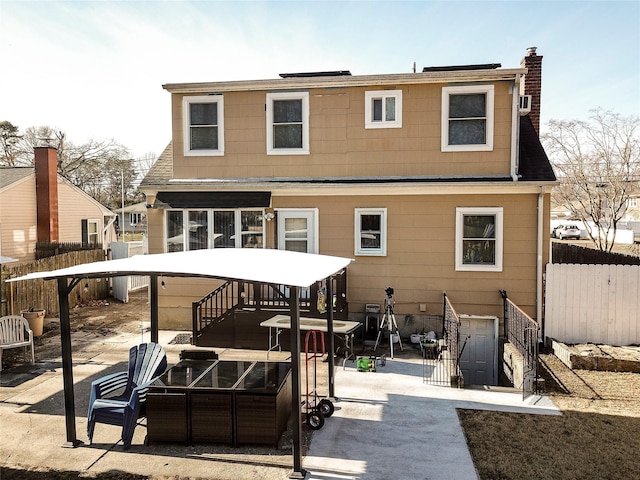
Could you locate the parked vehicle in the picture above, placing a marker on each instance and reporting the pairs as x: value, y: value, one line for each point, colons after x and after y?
x: 566, y: 231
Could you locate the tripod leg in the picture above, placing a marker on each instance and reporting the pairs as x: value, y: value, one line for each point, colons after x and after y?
x: 395, y: 326
x: 380, y: 330
x: 375, y: 347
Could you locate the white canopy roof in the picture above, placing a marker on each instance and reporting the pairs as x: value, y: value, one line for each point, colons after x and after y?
x: 4, y: 259
x: 259, y: 265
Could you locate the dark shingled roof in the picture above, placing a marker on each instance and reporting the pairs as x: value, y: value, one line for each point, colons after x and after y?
x: 534, y: 163
x: 162, y: 169
x: 9, y: 175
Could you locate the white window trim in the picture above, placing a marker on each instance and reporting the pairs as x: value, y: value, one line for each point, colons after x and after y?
x: 370, y: 252
x: 461, y: 90
x: 312, y: 236
x: 97, y: 234
x: 304, y: 96
x: 368, y: 111
x: 460, y: 213
x: 210, y: 220
x: 188, y: 100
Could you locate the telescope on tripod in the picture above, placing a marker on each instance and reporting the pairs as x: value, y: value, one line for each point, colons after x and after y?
x: 388, y: 321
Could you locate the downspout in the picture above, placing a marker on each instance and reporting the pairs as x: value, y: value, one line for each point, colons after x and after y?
x: 515, y: 127
x: 539, y: 287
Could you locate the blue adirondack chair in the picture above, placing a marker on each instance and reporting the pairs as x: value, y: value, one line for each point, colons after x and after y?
x: 129, y: 390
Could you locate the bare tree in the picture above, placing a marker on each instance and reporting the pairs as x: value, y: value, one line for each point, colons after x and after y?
x: 9, y: 143
x: 598, y: 165
x: 101, y: 168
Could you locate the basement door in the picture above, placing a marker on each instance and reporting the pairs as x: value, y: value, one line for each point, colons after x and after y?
x: 479, y: 359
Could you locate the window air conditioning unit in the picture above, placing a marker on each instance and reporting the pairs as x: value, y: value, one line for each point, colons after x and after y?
x: 525, y: 104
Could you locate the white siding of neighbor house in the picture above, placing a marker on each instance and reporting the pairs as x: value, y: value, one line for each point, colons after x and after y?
x: 73, y: 207
x: 18, y: 213
x: 593, y: 303
x: 18, y: 219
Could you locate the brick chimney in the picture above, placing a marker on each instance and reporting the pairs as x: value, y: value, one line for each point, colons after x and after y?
x: 46, y: 162
x: 533, y: 84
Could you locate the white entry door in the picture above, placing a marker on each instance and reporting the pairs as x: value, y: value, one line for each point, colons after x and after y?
x: 479, y: 359
x: 298, y: 230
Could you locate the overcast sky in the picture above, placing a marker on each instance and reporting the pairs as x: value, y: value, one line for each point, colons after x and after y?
x: 95, y: 69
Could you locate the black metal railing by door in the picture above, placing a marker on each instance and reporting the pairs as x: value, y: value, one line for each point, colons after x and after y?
x: 522, y: 332
x: 441, y: 362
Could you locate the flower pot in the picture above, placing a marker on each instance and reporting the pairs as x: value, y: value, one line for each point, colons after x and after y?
x: 35, y: 319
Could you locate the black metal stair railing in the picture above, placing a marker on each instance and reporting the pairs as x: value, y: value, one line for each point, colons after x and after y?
x: 222, y: 303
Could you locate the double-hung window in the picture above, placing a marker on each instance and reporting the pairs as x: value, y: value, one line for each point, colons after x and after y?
x: 90, y: 232
x: 135, y: 218
x: 288, y: 123
x: 383, y: 109
x: 212, y: 228
x: 371, y: 231
x: 203, y: 125
x: 467, y: 118
x: 479, y: 239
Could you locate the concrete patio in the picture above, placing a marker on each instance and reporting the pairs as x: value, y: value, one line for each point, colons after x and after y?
x: 387, y: 424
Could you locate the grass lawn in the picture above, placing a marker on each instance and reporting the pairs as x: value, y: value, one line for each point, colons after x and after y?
x: 597, y: 436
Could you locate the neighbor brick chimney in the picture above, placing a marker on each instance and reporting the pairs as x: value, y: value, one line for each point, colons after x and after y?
x: 533, y: 84
x: 46, y: 163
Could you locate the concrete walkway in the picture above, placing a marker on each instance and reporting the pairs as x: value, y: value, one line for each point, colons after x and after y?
x: 387, y: 424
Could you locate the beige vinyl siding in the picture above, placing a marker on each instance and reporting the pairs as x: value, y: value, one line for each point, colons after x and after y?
x: 19, y: 231
x: 340, y: 145
x: 73, y: 207
x: 420, y: 261
x: 18, y: 220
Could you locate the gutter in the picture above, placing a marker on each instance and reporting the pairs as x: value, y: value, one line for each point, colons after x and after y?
x: 539, y: 283
x: 515, y: 127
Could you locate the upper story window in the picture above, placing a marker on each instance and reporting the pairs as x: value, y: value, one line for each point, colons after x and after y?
x: 288, y: 123
x: 202, y: 229
x: 383, y: 109
x: 467, y: 118
x: 371, y: 231
x: 203, y: 125
x: 479, y: 239
x: 632, y: 202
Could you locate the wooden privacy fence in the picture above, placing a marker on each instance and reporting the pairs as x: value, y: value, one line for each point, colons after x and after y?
x: 41, y: 294
x: 568, y: 253
x: 593, y: 303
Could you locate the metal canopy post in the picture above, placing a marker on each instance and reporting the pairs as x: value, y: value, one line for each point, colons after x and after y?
x: 67, y: 364
x: 153, y: 301
x: 294, y: 302
x: 331, y: 347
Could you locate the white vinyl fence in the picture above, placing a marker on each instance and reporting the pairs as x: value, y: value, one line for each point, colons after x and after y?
x: 593, y: 303
x: 121, y: 286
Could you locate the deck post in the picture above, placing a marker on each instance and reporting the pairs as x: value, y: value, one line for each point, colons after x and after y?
x: 294, y: 302
x: 67, y: 363
x: 331, y: 347
x: 153, y: 300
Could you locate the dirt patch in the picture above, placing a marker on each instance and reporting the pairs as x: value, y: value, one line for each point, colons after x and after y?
x: 595, y: 437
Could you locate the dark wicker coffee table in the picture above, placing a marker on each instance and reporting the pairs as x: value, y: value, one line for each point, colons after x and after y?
x: 218, y: 401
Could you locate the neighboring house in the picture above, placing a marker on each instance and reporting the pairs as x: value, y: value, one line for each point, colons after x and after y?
x: 432, y: 182
x: 135, y: 218
x: 38, y: 205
